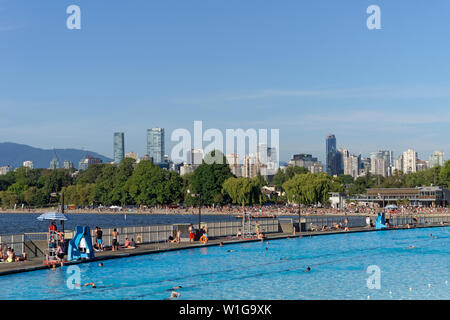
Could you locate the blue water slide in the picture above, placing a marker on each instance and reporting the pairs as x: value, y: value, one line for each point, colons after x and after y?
x: 89, y: 248
x: 380, y: 222
x: 74, y: 252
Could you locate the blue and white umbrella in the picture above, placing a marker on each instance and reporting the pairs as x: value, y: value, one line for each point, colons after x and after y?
x: 391, y: 207
x: 52, y: 216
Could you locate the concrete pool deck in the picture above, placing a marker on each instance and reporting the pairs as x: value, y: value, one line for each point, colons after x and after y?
x: 37, y: 263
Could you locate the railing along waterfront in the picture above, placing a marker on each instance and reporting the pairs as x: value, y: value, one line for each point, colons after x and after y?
x: 395, y: 220
x: 34, y: 244
x: 13, y: 241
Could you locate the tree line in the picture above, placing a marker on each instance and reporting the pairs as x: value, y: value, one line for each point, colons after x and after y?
x: 145, y: 183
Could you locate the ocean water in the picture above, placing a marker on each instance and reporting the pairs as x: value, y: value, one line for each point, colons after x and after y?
x: 339, y: 270
x: 27, y: 222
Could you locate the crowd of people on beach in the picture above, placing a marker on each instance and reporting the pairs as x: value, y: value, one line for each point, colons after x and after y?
x: 257, y: 210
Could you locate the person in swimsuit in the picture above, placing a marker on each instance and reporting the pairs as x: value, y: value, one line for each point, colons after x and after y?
x: 175, y: 288
x: 171, y: 239
x: 205, y: 231
x: 191, y: 233
x: 87, y: 284
x: 346, y: 225
x: 115, y: 245
x: 60, y: 255
x: 127, y: 244
x: 99, y: 238
x: 261, y: 236
x: 178, y: 238
x: 53, y: 227
x: 11, y: 256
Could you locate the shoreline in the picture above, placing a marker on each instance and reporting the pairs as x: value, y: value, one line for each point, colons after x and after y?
x: 238, y: 214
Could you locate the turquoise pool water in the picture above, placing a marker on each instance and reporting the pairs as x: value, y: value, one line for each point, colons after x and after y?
x: 338, y: 271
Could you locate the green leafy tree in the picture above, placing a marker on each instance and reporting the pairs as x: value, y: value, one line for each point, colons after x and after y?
x: 119, y: 193
x: 208, y: 178
x: 8, y: 199
x: 284, y: 175
x: 243, y: 191
x: 6, y: 180
x: 395, y: 180
x: 346, y: 179
x: 18, y: 189
x: 29, y: 195
x: 311, y: 188
x: 363, y: 183
x: 173, y: 187
x: 279, y: 178
x: 444, y: 174
x: 80, y: 194
x: 151, y: 185
x: 52, y: 182
x: 293, y: 170
x: 104, y: 185
x: 189, y: 200
x: 90, y: 175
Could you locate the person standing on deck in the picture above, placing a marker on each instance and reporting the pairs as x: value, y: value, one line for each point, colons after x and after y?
x: 115, y: 244
x: 99, y: 238
x: 191, y: 233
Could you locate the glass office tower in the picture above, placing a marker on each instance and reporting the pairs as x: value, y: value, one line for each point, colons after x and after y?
x: 331, y: 155
x: 155, y: 144
x: 119, y: 147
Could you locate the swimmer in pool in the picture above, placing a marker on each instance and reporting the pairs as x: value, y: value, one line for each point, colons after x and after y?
x: 87, y: 284
x: 175, y: 288
x: 174, y: 295
x: 307, y: 269
x: 230, y: 250
x: 100, y: 264
x: 287, y: 258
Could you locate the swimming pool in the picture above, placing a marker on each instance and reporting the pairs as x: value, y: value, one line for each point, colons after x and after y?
x: 248, y: 271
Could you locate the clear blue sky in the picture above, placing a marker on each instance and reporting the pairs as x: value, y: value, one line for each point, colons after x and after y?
x: 309, y: 68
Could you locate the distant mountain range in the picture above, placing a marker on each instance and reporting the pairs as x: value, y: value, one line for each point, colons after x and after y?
x: 14, y: 154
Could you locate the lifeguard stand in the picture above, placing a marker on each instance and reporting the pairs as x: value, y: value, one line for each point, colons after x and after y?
x: 54, y: 237
x: 52, y: 245
x: 248, y: 226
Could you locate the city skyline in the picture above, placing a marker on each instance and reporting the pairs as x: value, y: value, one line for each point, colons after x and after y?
x: 435, y: 156
x: 382, y: 89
